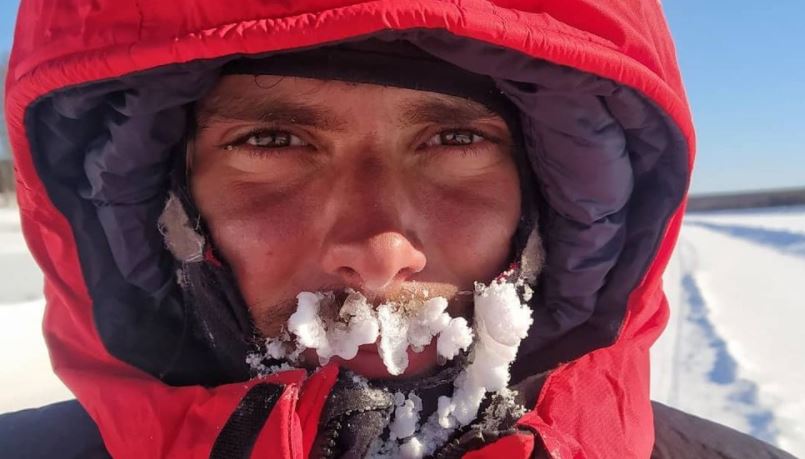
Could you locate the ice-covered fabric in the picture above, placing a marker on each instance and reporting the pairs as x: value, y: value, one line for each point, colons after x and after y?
x: 97, y: 99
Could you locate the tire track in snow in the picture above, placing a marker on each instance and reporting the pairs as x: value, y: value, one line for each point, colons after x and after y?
x: 752, y: 290
x: 692, y: 366
x: 723, y: 372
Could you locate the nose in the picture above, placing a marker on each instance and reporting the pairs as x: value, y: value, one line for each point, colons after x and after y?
x: 376, y: 264
x: 370, y: 245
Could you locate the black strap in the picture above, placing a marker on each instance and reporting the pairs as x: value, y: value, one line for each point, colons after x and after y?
x: 239, y: 434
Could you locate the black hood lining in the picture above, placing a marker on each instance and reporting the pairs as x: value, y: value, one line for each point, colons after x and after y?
x: 611, y: 170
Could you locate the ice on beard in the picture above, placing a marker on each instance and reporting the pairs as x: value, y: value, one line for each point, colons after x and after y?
x: 406, y: 415
x: 275, y: 349
x: 501, y: 323
x: 416, y: 325
x: 454, y: 338
x: 355, y: 326
x: 305, y: 322
x: 393, y: 345
x: 427, y: 321
x: 412, y: 324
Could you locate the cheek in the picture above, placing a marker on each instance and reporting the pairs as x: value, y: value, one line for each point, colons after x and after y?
x: 470, y: 227
x: 264, y: 236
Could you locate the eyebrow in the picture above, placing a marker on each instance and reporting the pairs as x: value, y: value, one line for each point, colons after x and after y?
x: 269, y: 110
x: 426, y: 110
x: 453, y: 111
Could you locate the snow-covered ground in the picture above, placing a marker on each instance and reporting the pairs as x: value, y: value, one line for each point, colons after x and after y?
x: 25, y: 373
x: 733, y: 350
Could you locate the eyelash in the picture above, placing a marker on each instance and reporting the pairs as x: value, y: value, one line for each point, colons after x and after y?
x: 467, y: 149
x: 256, y: 150
x: 262, y: 151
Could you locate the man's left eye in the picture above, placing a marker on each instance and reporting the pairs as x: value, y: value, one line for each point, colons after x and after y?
x: 454, y: 138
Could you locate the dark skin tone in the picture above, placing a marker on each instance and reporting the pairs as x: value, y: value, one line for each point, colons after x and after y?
x: 310, y: 185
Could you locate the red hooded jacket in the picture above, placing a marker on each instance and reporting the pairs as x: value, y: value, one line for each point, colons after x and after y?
x: 595, y: 401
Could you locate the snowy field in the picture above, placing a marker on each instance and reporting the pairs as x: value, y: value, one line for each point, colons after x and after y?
x: 733, y: 350
x: 25, y: 373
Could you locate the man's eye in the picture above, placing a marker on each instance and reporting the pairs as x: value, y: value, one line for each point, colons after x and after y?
x: 273, y: 139
x: 454, y: 138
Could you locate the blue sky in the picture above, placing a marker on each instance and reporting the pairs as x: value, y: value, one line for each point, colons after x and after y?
x: 744, y: 68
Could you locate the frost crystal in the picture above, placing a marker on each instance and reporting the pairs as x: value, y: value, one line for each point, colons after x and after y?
x: 406, y: 416
x: 306, y: 324
x: 356, y: 325
x: 412, y: 449
x: 394, y: 327
x: 427, y: 321
x: 456, y: 337
x: 393, y: 339
x: 501, y: 323
x: 255, y: 361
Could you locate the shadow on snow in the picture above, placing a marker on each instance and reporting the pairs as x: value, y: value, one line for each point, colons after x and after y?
x: 724, y: 370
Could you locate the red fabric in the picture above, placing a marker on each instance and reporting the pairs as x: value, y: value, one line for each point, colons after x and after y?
x: 517, y: 445
x: 311, y: 402
x: 596, y: 406
x: 282, y: 435
x: 292, y: 426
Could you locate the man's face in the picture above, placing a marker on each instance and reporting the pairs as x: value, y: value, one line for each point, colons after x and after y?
x: 310, y: 185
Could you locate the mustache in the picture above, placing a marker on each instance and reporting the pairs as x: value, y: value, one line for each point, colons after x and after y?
x: 275, y: 316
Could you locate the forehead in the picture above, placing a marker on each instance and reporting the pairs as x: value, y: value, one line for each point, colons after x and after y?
x: 305, y: 100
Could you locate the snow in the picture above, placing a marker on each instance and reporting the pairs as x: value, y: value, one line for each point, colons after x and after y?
x: 733, y: 349
x: 406, y: 416
x: 393, y: 346
x: 456, y: 337
x: 26, y: 377
x: 501, y: 322
x: 412, y: 323
x: 306, y: 324
x: 428, y: 321
x: 412, y: 449
x: 20, y: 277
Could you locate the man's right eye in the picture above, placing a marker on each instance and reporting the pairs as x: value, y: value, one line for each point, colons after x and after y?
x: 273, y: 139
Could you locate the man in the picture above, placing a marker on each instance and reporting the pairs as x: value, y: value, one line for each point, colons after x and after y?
x: 302, y: 192
x: 188, y: 171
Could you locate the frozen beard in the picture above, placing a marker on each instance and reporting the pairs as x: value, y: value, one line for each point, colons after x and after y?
x: 501, y: 321
x: 393, y: 326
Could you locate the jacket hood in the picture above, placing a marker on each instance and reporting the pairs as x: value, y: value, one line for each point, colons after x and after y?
x: 98, y: 96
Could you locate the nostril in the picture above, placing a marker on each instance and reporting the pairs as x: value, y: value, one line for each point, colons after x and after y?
x: 350, y: 276
x: 353, y: 278
x: 406, y: 273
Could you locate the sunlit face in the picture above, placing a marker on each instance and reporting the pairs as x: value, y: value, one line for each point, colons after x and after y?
x: 310, y: 185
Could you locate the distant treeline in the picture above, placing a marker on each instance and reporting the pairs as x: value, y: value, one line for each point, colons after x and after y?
x: 771, y: 198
